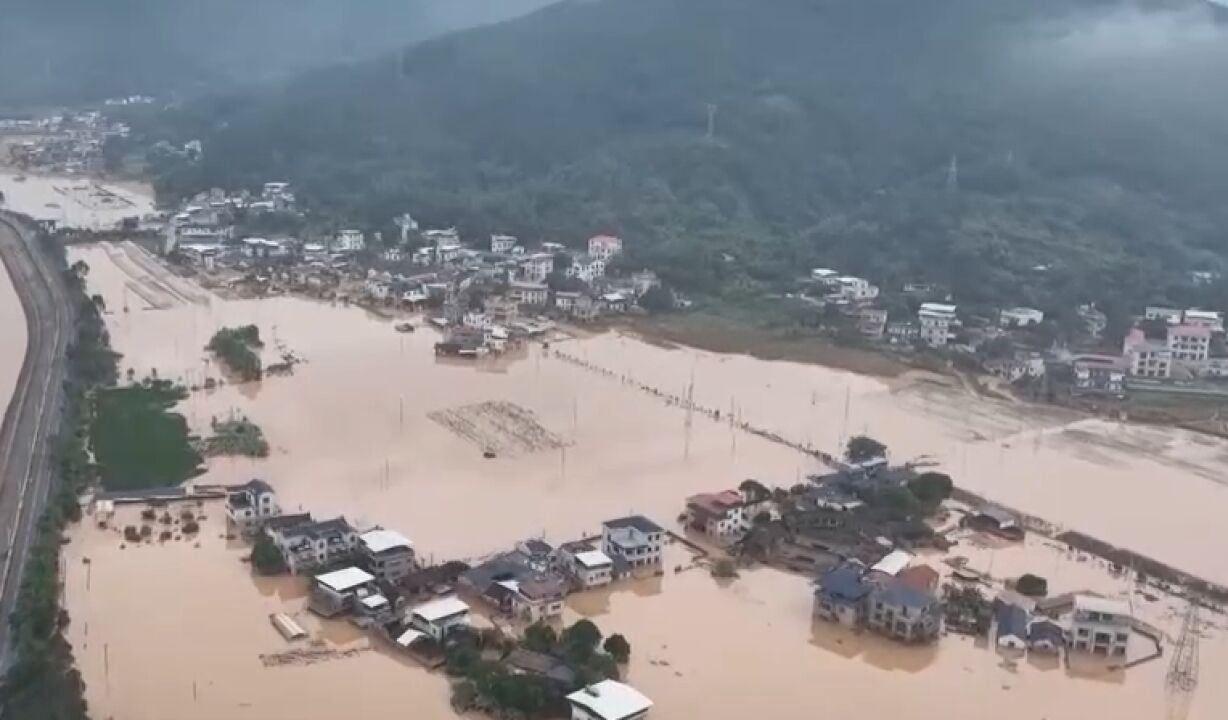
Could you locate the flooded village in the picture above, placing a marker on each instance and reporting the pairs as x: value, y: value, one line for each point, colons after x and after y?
x: 701, y: 505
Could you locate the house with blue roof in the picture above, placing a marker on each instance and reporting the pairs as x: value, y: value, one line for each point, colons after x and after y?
x: 903, y: 613
x: 840, y: 595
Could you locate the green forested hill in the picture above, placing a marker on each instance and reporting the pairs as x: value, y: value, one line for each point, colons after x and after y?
x: 1091, y: 139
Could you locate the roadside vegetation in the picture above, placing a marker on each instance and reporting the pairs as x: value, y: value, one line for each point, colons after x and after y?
x: 42, y: 683
x: 239, y: 350
x: 138, y: 442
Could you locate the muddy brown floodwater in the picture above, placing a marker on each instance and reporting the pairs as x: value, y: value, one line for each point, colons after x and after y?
x: 374, y: 427
x: 12, y: 338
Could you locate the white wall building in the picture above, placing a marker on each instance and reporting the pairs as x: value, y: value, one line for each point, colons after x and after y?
x: 1100, y: 625
x: 387, y: 554
x: 349, y: 241
x: 1189, y: 343
x: 1020, y: 317
x: 250, y: 504
x: 936, y: 320
x: 587, y: 268
x: 1147, y: 358
x: 635, y: 539
x: 503, y: 243
x: 437, y: 618
x: 1205, y: 318
x: 593, y: 568
x: 604, y: 247
x: 537, y: 267
x: 855, y: 289
x: 1169, y: 315
x: 525, y: 293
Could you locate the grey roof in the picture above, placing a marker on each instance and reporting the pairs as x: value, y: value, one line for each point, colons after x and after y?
x: 639, y: 522
x: 331, y: 527
x: 282, y: 522
x: 537, y: 548
x: 843, y: 583
x: 547, y: 666
x: 1011, y: 620
x: 505, y: 566
x: 1046, y: 630
x: 255, y: 485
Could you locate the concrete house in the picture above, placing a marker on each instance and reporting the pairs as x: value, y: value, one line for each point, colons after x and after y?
x: 437, y: 618
x: 1010, y: 626
x: 1019, y: 317
x: 349, y: 241
x: 387, y: 554
x: 1190, y: 343
x: 539, y: 599
x: 635, y: 539
x: 527, y: 293
x: 1147, y: 358
x: 587, y: 268
x: 904, y: 613
x: 720, y: 516
x: 604, y: 247
x: 309, y: 546
x: 250, y: 505
x: 537, y: 267
x: 1100, y: 625
x: 336, y: 592
x: 936, y: 321
x: 1046, y: 636
x: 840, y: 595
x: 503, y: 243
x: 593, y: 568
x: 608, y: 700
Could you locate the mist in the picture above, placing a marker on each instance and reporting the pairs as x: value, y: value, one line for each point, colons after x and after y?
x: 63, y: 51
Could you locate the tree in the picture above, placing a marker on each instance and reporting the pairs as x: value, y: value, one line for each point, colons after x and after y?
x: 618, y: 648
x: 657, y: 299
x: 931, y: 488
x: 724, y: 568
x: 1032, y: 585
x: 755, y: 490
x: 266, y: 558
x: 580, y: 641
x: 863, y: 447
x: 540, y: 637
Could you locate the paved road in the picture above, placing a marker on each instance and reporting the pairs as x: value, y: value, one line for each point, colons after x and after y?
x: 34, y: 413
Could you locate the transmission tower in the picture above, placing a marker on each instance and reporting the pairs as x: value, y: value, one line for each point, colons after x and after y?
x: 1183, y: 668
x: 953, y: 174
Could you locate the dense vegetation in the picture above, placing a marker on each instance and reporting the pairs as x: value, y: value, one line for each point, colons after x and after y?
x: 138, y: 442
x: 72, y: 50
x: 238, y: 348
x: 43, y: 684
x: 1089, y: 150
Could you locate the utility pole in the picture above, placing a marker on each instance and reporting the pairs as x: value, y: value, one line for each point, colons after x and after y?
x: 711, y: 122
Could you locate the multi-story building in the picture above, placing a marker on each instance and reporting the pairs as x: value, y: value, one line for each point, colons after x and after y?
x: 524, y: 293
x: 854, y: 289
x: 537, y: 267
x: 308, y: 545
x: 1097, y: 373
x: 349, y: 241
x: 1172, y: 316
x: 587, y: 268
x: 635, y: 539
x: 1189, y: 343
x: 722, y: 515
x: 503, y: 243
x: 1020, y: 317
x: 902, y: 612
x: 1147, y: 358
x: 604, y: 247
x: 386, y: 554
x: 1100, y: 625
x: 1205, y: 318
x: 250, y: 505
x: 936, y: 320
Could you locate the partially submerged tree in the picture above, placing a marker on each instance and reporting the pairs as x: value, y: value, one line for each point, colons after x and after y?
x: 618, y: 648
x: 931, y: 488
x: 863, y: 447
x: 266, y: 558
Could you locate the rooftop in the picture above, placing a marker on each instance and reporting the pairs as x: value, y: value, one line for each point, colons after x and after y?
x: 380, y: 540
x: 441, y: 609
x: 254, y: 485
x: 611, y: 700
x: 715, y: 503
x: 893, y: 562
x: 919, y: 577
x: 1102, y: 605
x: 344, y: 579
x: 639, y: 522
x: 593, y: 559
x: 898, y: 594
x: 844, y: 583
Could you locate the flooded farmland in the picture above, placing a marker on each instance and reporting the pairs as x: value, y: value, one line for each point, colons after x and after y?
x: 374, y: 427
x: 74, y: 201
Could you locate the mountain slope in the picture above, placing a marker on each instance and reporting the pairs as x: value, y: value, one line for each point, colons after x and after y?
x: 1090, y: 136
x: 73, y: 50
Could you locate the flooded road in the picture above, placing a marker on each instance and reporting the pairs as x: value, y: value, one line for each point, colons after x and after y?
x: 12, y: 338
x: 74, y: 201
x: 374, y: 427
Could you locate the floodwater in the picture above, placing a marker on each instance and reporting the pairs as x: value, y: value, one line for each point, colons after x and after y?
x: 357, y: 431
x: 74, y: 201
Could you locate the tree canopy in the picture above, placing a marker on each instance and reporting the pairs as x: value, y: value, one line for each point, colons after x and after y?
x: 863, y: 447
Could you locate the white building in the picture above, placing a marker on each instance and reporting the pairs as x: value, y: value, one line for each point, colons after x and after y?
x: 387, y: 554
x: 1189, y: 343
x: 1100, y: 625
x: 537, y: 267
x: 936, y: 320
x: 604, y: 247
x: 565, y: 300
x: 503, y: 243
x: 587, y: 268
x: 525, y: 293
x: 635, y: 539
x: 720, y: 516
x: 349, y: 241
x: 855, y: 289
x: 308, y: 545
x: 437, y: 618
x: 448, y: 236
x: 609, y: 700
x: 1205, y: 318
x: 338, y: 591
x: 823, y: 274
x: 1147, y: 358
x: 593, y: 568
x: 1020, y: 317
x: 251, y: 504
x: 538, y: 599
x: 1172, y: 316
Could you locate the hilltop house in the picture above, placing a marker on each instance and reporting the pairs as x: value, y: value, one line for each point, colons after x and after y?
x: 349, y: 241
x: 635, y: 539
x: 1019, y: 317
x: 249, y: 505
x: 936, y: 320
x: 503, y: 243
x: 604, y: 247
x: 537, y: 267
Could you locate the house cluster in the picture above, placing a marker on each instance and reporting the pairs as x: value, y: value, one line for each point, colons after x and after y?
x: 1180, y: 347
x: 207, y: 226
x: 530, y: 581
x: 894, y: 597
x: 64, y: 143
x: 1082, y: 623
x: 725, y: 516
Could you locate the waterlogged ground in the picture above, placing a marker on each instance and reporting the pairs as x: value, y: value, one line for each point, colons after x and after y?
x: 12, y: 338
x: 356, y: 431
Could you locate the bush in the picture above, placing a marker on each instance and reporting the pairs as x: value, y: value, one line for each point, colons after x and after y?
x: 190, y: 527
x: 266, y: 558
x: 164, y: 535
x: 618, y: 648
x: 724, y: 568
x: 1032, y: 585
x: 186, y: 515
x: 166, y: 519
x: 149, y: 514
x: 146, y: 531
x: 931, y: 488
x: 862, y: 447
x: 132, y: 534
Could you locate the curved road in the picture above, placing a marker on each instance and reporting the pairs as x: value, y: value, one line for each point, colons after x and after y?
x: 34, y: 413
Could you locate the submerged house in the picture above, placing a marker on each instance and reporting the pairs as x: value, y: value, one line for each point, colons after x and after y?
x: 387, y: 554
x: 251, y: 504
x: 904, y: 613
x: 309, y: 545
x: 340, y: 591
x: 1011, y: 627
x: 437, y: 618
x: 634, y: 538
x: 608, y: 700
x: 840, y: 595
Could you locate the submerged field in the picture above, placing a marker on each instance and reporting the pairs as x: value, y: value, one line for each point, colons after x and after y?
x: 374, y: 427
